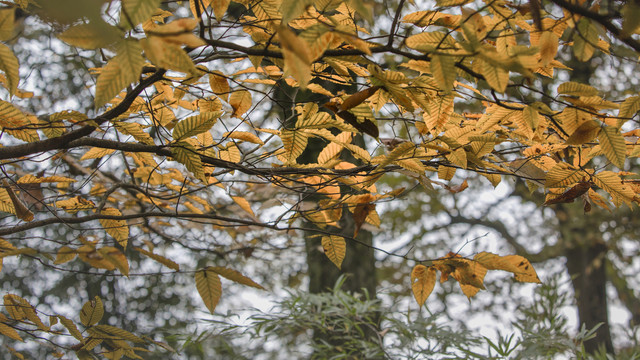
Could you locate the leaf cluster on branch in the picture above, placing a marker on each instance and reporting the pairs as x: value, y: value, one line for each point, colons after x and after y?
x: 183, y: 132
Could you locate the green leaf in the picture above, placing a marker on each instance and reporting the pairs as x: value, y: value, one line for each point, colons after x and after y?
x: 92, y: 311
x: 125, y: 68
x: 195, y: 125
x: 185, y: 154
x: 613, y: 145
x: 135, y: 12
x: 209, y: 287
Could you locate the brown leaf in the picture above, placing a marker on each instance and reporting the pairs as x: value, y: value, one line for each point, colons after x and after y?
x: 360, y: 215
x: 570, y: 195
x: 358, y: 98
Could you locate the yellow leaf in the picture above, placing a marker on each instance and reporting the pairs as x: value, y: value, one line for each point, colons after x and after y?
x: 185, y: 154
x: 243, y: 203
x: 7, y: 17
x: 629, y: 107
x: 9, y: 332
x: 584, y: 133
x: 335, y: 248
x: 209, y: 287
x: 234, y: 276
x: 65, y: 254
x: 612, y: 184
x: 119, y: 334
x: 244, y: 136
x: 118, y: 229
x: 115, y: 257
x: 90, y: 36
x: 161, y: 259
x: 496, y: 76
x: 548, y: 47
x: 240, y: 101
x: 563, y: 175
x: 202, y: 5
x: 446, y: 172
x: 122, y: 70
x: 91, y: 312
x: 577, y: 89
x: 75, y: 204
x: 195, y: 125
x: 135, y: 12
x: 423, y: 280
x: 9, y: 64
x: 219, y: 84
x: 135, y: 130
x: 30, y: 179
x: 516, y: 264
x: 71, y: 326
x: 444, y: 71
x: 95, y: 153
x: 297, y: 56
x: 167, y: 56
x: 220, y: 8
x: 16, y: 123
x: 613, y: 145
x: 294, y: 144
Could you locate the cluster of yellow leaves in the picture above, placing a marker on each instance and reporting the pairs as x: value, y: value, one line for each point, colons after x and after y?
x: 469, y: 273
x: 118, y: 341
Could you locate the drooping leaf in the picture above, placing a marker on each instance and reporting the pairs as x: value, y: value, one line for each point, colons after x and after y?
x: 71, y: 326
x: 613, y: 145
x: 335, y: 248
x: 159, y: 258
x: 92, y: 312
x: 516, y: 264
x: 444, y: 71
x: 548, y: 47
x: 219, y: 84
x: 122, y: 70
x: 423, y: 280
x: 9, y: 64
x: 118, y: 229
x: 135, y: 12
x: 209, y: 287
x: 7, y: 26
x: 240, y: 101
x: 65, y: 254
x: 234, y: 276
x: 585, y: 133
x: 612, y: 184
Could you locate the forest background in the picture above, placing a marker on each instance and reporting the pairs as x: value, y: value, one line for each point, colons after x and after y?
x: 331, y: 156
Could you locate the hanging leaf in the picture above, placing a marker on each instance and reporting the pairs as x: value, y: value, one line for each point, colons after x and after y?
x: 9, y: 64
x: 516, y: 264
x: 219, y: 85
x: 585, y: 133
x: 65, y: 254
x: 122, y: 70
x: 21, y: 211
x: 444, y: 71
x: 548, y: 47
x: 496, y: 76
x: 335, y: 248
x: 613, y: 145
x: 118, y: 229
x: 240, y: 101
x: 423, y: 280
x: 568, y: 196
x: 135, y: 12
x: 234, y: 276
x: 161, y: 259
x: 209, y: 287
x: 185, y: 154
x: 71, y: 326
x: 577, y: 89
x: 92, y: 312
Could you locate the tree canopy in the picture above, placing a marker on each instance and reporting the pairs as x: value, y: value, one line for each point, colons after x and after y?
x: 216, y: 126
